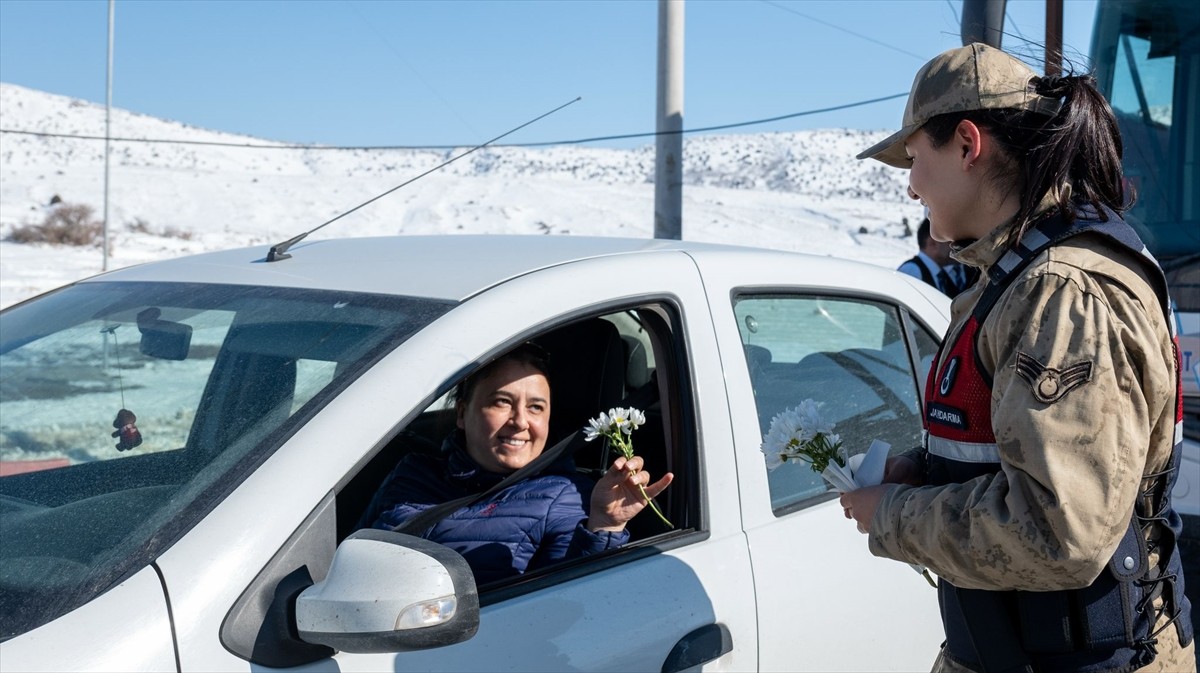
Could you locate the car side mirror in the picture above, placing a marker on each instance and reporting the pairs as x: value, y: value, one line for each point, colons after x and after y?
x: 390, y: 592
x: 163, y: 339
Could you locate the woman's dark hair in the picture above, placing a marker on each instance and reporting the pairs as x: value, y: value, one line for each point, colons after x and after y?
x: 1080, y: 146
x: 528, y: 353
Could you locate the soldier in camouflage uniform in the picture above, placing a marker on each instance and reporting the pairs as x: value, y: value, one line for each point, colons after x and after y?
x: 1052, y: 413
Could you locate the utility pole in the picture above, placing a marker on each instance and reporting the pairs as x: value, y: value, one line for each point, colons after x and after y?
x: 668, y: 164
x: 982, y: 21
x: 1054, y: 37
x: 107, y: 128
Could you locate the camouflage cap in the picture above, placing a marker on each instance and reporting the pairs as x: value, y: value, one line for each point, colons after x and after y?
x: 974, y: 77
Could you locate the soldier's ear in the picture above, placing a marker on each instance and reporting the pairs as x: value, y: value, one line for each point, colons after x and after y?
x: 970, y: 141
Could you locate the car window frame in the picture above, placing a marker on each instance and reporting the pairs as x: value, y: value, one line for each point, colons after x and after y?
x: 668, y: 340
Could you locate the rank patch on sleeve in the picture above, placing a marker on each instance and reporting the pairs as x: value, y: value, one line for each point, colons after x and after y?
x: 1048, y: 384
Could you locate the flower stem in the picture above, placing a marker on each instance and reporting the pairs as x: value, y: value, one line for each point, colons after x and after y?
x: 624, y: 444
x: 929, y: 579
x: 654, y: 506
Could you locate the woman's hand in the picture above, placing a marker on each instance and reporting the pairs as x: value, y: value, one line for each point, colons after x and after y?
x: 616, y: 498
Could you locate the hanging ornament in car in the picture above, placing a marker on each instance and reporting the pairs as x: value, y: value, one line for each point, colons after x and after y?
x: 127, y: 434
x: 126, y: 430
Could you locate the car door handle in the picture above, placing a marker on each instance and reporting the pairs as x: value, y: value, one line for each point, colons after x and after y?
x: 699, y: 647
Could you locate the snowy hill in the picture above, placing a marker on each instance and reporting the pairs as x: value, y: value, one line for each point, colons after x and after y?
x: 799, y: 191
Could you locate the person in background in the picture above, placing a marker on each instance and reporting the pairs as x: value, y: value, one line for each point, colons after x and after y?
x: 503, y: 418
x: 1053, y: 435
x: 933, y: 264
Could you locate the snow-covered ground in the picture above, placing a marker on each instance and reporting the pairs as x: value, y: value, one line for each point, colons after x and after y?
x: 796, y: 191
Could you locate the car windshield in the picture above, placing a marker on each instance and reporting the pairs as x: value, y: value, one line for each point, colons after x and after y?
x: 128, y: 410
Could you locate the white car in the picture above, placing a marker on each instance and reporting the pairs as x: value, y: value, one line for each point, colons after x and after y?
x: 271, y: 399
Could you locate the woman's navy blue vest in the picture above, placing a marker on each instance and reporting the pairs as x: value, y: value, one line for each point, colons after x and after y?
x: 1107, y: 626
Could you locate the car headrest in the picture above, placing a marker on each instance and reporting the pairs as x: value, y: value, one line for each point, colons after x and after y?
x: 757, y: 357
x: 587, y: 373
x: 637, y: 363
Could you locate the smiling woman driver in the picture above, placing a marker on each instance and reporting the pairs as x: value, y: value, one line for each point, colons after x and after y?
x: 503, y: 417
x: 1042, y: 495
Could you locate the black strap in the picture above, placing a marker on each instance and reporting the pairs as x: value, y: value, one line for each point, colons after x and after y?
x: 1054, y: 229
x: 427, y: 519
x: 996, y: 643
x: 949, y: 286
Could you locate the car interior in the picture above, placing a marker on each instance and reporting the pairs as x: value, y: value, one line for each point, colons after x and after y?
x: 866, y: 393
x: 596, y: 363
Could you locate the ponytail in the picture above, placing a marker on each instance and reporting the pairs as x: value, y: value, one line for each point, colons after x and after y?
x: 1079, y: 146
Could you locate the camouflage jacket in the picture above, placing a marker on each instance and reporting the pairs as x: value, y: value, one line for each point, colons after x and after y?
x: 1051, y: 518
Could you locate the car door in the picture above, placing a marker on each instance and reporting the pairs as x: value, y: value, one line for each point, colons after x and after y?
x: 843, y: 335
x: 631, y: 610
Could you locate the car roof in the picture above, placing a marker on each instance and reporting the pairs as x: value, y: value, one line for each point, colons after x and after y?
x: 442, y: 267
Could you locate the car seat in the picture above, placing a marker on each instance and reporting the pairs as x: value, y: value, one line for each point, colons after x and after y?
x: 587, y: 376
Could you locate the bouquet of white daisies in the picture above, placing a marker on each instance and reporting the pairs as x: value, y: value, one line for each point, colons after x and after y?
x: 616, y: 426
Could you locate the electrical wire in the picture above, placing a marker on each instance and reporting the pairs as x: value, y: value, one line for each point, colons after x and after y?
x: 577, y: 141
x: 845, y: 30
x: 957, y: 21
x: 371, y: 25
x: 1009, y: 20
x: 715, y: 128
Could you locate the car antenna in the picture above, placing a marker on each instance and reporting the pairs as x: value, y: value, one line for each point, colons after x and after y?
x: 279, y: 250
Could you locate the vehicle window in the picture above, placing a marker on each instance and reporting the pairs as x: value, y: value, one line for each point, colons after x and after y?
x: 639, y: 351
x: 926, y: 348
x: 595, y: 365
x: 848, y: 355
x: 311, y: 377
x: 60, y: 389
x: 127, y: 410
x: 1154, y: 92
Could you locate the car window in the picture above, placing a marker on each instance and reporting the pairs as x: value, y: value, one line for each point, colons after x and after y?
x: 623, y: 358
x: 926, y: 348
x: 848, y: 355
x: 127, y: 410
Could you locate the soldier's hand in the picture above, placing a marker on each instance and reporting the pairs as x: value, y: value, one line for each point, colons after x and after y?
x: 861, y: 504
x: 902, y: 470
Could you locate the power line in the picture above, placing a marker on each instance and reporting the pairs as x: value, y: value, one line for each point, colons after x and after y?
x: 845, y: 30
x: 954, y: 11
x: 577, y: 141
x: 716, y: 128
x: 1009, y: 19
x: 387, y: 43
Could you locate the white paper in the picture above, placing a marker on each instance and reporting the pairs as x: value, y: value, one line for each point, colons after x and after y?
x: 869, y: 472
x: 862, y: 470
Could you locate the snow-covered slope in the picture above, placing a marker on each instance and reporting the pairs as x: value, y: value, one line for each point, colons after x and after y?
x: 799, y: 191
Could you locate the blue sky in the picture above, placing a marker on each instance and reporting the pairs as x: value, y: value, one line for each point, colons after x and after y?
x: 363, y: 72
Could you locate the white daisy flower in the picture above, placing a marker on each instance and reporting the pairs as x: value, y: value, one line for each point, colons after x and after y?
x: 596, y: 427
x: 800, y: 433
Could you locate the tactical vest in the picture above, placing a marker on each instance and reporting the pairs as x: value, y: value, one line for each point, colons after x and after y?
x: 1102, y: 627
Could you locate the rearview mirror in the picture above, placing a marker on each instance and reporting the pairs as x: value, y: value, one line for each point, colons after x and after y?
x: 163, y: 339
x: 390, y: 592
